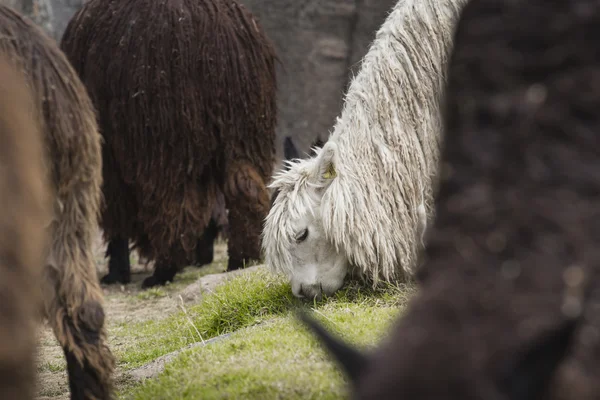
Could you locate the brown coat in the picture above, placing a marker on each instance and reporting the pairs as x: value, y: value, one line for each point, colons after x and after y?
x: 185, y: 92
x: 72, y: 294
x: 507, y: 307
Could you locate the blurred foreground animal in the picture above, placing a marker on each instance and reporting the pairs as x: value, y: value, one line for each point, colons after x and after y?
x: 362, y: 201
x: 186, y: 97
x: 25, y: 204
x: 509, y: 293
x: 70, y: 288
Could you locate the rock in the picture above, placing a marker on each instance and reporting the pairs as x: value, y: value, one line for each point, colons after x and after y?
x: 208, y: 283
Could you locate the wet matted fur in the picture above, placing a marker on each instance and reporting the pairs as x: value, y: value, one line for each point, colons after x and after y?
x: 509, y: 296
x: 185, y: 92
x: 362, y: 200
x: 72, y: 294
x: 25, y: 204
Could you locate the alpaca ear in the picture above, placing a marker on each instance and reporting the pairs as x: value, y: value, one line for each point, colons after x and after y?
x: 352, y: 361
x: 289, y: 149
x: 530, y: 376
x: 326, y: 164
x: 316, y: 145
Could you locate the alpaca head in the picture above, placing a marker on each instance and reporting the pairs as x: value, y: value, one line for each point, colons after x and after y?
x: 295, y: 237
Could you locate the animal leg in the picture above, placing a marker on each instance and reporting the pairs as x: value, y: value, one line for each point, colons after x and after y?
x: 74, y: 309
x: 119, y: 267
x: 248, y: 202
x: 163, y: 272
x: 205, y: 245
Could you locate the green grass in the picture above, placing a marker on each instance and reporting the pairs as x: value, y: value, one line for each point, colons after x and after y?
x: 191, y: 274
x: 278, y: 360
x: 244, y: 301
x: 269, y: 355
x: 152, y: 293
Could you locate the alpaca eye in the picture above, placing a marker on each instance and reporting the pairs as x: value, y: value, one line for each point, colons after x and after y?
x: 302, y: 236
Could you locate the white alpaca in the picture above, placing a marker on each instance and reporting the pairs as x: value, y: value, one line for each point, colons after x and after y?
x: 364, y: 198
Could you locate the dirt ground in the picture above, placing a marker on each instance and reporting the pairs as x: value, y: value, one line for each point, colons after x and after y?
x: 122, y: 305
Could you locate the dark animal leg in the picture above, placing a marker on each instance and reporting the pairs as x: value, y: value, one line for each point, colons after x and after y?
x: 163, y: 272
x: 119, y: 267
x: 85, y: 380
x: 205, y: 246
x: 248, y: 203
x: 74, y: 310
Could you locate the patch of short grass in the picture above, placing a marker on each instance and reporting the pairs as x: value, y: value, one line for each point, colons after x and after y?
x: 277, y: 360
x: 243, y: 301
x: 152, y: 293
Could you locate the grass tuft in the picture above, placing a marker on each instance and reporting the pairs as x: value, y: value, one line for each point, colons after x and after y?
x: 277, y: 360
x: 152, y: 293
x: 244, y: 301
x: 269, y: 355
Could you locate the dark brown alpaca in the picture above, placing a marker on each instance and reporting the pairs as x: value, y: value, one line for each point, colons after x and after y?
x: 185, y: 92
x: 25, y: 211
x: 509, y: 291
x: 71, y: 291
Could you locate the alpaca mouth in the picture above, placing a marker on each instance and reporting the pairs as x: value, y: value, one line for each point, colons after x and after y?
x: 311, y: 292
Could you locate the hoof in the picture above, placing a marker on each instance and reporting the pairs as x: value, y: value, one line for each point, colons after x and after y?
x: 234, y: 264
x: 87, y: 382
x: 110, y: 279
x: 152, y: 281
x: 203, y: 261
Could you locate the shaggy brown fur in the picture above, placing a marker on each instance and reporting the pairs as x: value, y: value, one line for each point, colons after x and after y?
x: 510, y: 290
x: 72, y: 294
x: 186, y: 96
x: 218, y: 225
x: 25, y: 205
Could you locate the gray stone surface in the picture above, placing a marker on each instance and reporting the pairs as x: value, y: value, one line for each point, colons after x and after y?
x: 320, y: 44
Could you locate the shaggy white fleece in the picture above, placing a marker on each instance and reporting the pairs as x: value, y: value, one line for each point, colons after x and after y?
x: 380, y: 163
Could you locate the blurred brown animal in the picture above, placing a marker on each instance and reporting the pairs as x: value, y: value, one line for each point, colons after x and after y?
x: 510, y: 288
x: 71, y: 291
x: 186, y: 96
x: 25, y: 210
